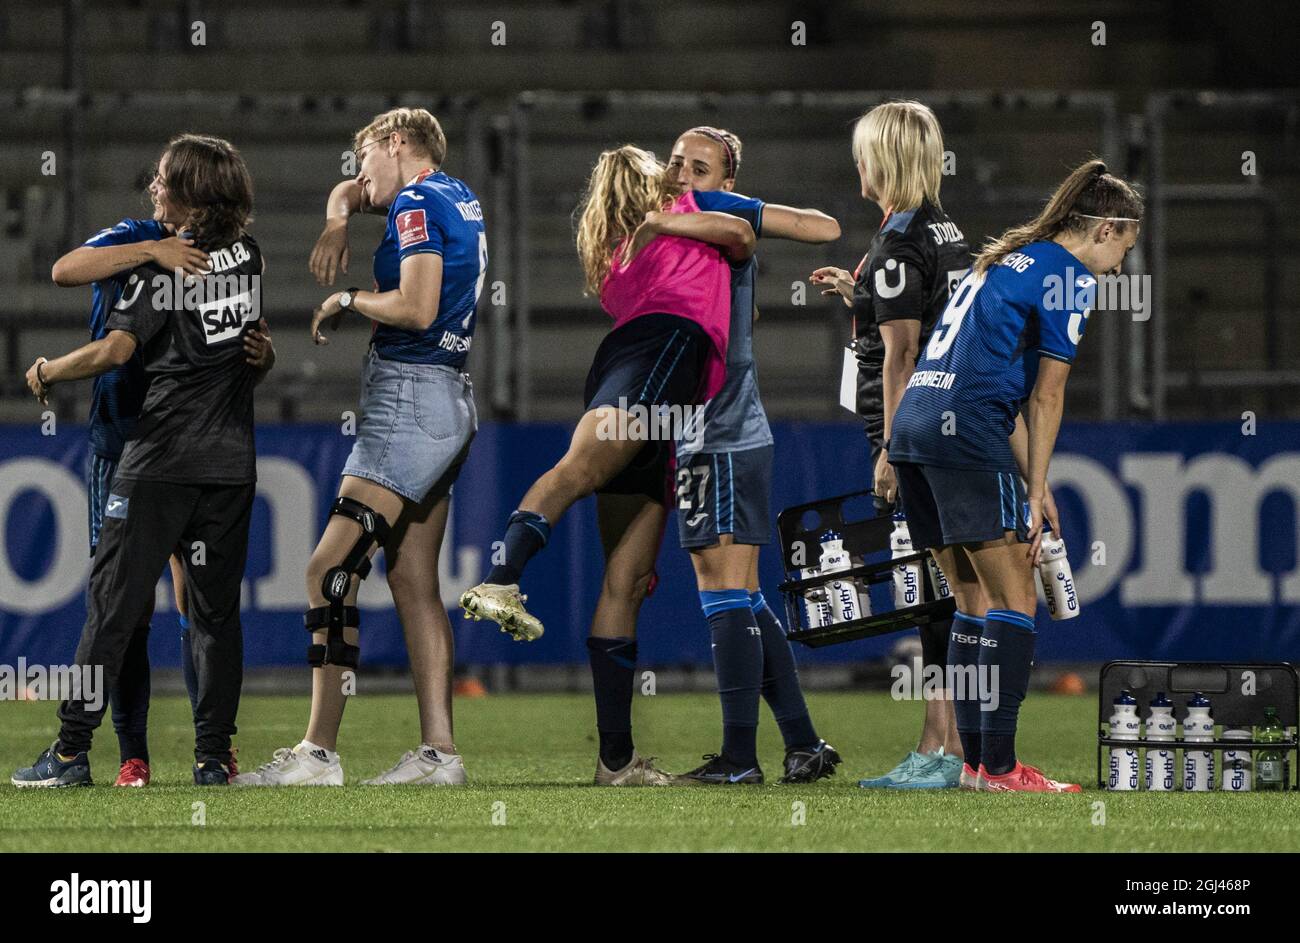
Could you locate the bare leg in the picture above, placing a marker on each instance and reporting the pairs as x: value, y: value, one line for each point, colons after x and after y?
x: 630, y: 530
x: 327, y: 697
x: 412, y: 557
x: 726, y: 565
x: 594, y: 457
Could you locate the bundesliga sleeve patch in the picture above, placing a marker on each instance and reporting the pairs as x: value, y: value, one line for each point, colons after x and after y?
x: 411, y: 228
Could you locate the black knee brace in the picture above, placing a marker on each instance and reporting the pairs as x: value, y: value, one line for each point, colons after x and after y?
x: 334, y: 616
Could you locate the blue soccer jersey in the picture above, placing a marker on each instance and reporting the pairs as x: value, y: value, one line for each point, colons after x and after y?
x: 981, y: 362
x: 734, y: 420
x: 434, y: 213
x: 118, y: 395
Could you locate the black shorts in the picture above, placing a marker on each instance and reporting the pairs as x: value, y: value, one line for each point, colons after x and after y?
x: 653, y: 360
x: 725, y: 493
x: 946, y: 506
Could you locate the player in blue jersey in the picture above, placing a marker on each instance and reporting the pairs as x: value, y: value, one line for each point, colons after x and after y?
x: 417, y: 422
x: 722, y: 490
x: 982, y: 410
x: 104, y: 261
x: 897, y: 293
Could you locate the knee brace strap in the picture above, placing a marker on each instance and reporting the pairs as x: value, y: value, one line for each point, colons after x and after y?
x: 336, y: 650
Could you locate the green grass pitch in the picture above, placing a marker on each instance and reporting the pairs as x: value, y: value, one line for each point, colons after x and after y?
x: 531, y: 758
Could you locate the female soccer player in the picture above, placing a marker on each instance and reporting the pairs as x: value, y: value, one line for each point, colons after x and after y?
x: 105, y: 261
x: 1007, y: 339
x: 897, y: 293
x: 417, y: 422
x: 632, y: 508
x: 723, y: 487
x: 187, y: 474
x: 669, y: 298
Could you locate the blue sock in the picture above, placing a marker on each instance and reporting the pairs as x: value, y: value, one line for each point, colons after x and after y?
x: 1008, y: 645
x: 738, y: 663
x: 187, y: 664
x: 526, y: 533
x: 781, y: 680
x: 613, y: 677
x: 964, y: 658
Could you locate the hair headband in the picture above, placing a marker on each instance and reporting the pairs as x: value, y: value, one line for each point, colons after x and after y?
x: 726, y: 148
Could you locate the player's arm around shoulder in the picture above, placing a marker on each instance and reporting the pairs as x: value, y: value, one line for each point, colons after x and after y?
x: 799, y: 225
x: 732, y: 234
x: 103, y: 257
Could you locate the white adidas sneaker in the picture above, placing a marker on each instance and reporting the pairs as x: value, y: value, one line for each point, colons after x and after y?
x: 423, y: 767
x: 304, y: 765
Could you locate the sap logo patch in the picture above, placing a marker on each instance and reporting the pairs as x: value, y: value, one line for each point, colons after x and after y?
x: 116, y: 506
x: 411, y: 228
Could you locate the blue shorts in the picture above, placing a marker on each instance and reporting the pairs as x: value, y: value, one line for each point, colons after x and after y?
x: 653, y: 360
x: 725, y: 493
x: 99, y: 484
x: 946, y: 506
x: 417, y: 422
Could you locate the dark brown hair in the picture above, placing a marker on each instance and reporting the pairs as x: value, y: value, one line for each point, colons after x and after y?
x: 208, y: 177
x: 1089, y: 191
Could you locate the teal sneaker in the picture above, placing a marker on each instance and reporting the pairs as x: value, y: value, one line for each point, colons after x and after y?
x: 916, y: 771
x: 952, y: 765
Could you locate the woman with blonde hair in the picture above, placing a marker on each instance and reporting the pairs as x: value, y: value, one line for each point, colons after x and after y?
x: 670, y: 298
x: 417, y: 422
x: 988, y: 415
x: 897, y: 293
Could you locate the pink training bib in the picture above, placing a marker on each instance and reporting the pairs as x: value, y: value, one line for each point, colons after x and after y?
x: 674, y: 275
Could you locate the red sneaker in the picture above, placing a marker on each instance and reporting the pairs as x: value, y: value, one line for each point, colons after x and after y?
x: 969, y: 778
x: 1023, y: 779
x: 234, y: 762
x: 133, y: 773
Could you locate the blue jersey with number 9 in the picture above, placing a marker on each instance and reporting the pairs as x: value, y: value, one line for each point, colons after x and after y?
x: 434, y: 213
x: 981, y: 362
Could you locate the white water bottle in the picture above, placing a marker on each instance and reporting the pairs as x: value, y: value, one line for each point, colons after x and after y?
x: 1058, y: 581
x: 816, y: 609
x: 1124, y: 760
x: 1198, y: 727
x: 1237, y: 765
x: 907, y: 576
x: 1161, y: 762
x: 938, y: 582
x: 845, y: 606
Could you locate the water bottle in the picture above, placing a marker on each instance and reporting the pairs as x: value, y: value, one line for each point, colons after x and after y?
x: 938, y: 582
x: 845, y: 606
x: 816, y: 608
x: 1236, y: 763
x: 1270, y: 773
x: 1161, y: 762
x: 1198, y: 727
x: 907, y: 576
x: 1058, y: 581
x: 1124, y: 760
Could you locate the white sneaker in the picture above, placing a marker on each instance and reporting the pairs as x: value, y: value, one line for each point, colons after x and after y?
x: 423, y: 767
x: 304, y: 765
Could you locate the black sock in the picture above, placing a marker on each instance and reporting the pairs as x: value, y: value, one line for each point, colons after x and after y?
x: 1011, y: 652
x: 963, y: 659
x: 130, y: 699
x: 526, y: 533
x: 738, y: 663
x: 781, y: 680
x: 613, y: 677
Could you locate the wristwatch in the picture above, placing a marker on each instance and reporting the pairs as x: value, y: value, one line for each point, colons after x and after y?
x: 349, y: 296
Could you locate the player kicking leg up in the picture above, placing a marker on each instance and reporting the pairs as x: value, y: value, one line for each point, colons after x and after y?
x: 417, y: 422
x: 668, y: 299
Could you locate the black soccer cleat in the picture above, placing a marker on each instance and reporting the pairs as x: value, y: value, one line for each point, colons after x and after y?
x: 718, y: 771
x: 808, y: 766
